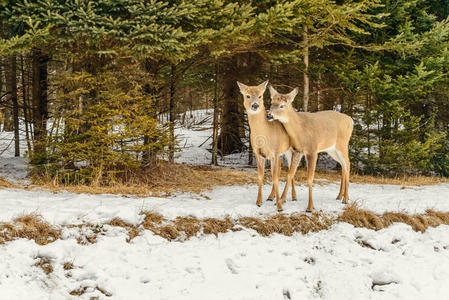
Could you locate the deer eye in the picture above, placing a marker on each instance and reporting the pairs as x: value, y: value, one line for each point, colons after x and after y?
x: 281, y: 106
x: 260, y: 97
x: 248, y: 96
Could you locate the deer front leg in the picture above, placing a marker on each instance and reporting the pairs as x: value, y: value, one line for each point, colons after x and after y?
x: 260, y: 173
x: 296, y: 158
x: 311, y: 164
x: 275, y: 176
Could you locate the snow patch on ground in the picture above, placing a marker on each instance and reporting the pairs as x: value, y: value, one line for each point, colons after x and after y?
x: 240, y: 265
x: 233, y: 201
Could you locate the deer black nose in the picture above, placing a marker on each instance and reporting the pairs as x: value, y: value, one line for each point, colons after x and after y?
x: 269, y: 117
x: 255, y: 106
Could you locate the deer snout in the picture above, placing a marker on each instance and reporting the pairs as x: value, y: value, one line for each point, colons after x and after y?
x: 255, y: 106
x: 270, y: 117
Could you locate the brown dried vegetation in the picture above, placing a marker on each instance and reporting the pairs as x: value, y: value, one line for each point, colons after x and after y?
x: 45, y: 264
x: 159, y: 180
x: 31, y: 227
x: 183, y: 228
x: 419, y: 222
x: 6, y: 184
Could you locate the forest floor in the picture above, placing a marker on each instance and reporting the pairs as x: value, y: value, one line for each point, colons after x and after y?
x: 213, y: 242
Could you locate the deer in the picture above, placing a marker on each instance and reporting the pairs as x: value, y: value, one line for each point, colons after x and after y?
x: 311, y: 133
x: 269, y: 140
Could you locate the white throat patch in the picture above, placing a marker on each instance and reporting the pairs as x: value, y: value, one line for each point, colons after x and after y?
x: 253, y: 112
x: 282, y: 120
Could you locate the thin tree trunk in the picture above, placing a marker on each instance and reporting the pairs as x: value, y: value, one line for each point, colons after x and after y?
x: 25, y: 103
x: 305, y: 99
x: 215, y: 130
x: 172, y: 114
x: 10, y: 81
x: 318, y: 94
x: 1, y: 91
x: 15, y: 104
x: 40, y: 104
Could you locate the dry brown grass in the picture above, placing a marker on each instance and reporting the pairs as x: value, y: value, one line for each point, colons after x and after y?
x: 289, y: 224
x: 161, y: 180
x: 133, y: 231
x: 165, y: 178
x: 68, y: 265
x: 183, y: 228
x: 45, y: 264
x: 419, y: 222
x: 31, y: 227
x: 197, y: 179
x: 415, y: 180
x: 6, y: 184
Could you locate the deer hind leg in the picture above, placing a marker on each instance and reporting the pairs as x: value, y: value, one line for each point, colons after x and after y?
x: 334, y: 154
x: 346, y: 168
x: 260, y: 175
x: 295, y: 160
x: 311, y: 164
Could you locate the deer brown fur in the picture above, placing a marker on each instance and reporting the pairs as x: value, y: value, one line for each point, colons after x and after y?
x: 269, y: 140
x: 311, y: 133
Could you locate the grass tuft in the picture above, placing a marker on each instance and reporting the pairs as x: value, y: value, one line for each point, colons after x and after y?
x: 45, y: 264
x: 31, y: 227
x: 419, y: 222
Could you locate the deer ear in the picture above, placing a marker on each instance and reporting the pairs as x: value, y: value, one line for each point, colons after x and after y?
x: 263, y: 85
x: 242, y: 87
x: 292, y: 94
x: 272, y: 91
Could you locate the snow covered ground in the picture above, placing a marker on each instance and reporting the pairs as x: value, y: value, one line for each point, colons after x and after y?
x: 240, y: 265
x: 340, y: 263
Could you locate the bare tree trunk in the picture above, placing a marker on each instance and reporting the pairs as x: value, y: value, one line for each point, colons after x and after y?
x: 1, y: 91
x: 10, y: 81
x: 215, y: 130
x: 40, y: 103
x: 25, y: 103
x: 305, y: 99
x: 172, y: 114
x: 231, y: 133
x: 15, y: 104
x: 318, y: 93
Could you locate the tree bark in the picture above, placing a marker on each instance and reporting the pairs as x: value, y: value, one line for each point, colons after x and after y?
x: 215, y: 122
x: 1, y: 92
x: 11, y: 85
x: 171, y: 154
x: 15, y: 103
x: 40, y: 103
x: 305, y: 99
x: 25, y: 103
x: 230, y: 140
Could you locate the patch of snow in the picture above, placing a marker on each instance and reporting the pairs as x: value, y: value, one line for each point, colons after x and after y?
x: 233, y: 201
x: 239, y: 265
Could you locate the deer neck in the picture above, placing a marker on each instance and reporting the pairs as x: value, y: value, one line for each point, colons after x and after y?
x: 295, y: 128
x: 258, y: 122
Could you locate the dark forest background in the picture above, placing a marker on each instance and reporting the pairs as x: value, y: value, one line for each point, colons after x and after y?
x: 98, y: 85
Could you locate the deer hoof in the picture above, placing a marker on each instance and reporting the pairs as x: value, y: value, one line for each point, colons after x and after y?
x: 309, y: 211
x: 294, y: 199
x: 280, y: 209
x: 269, y: 199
